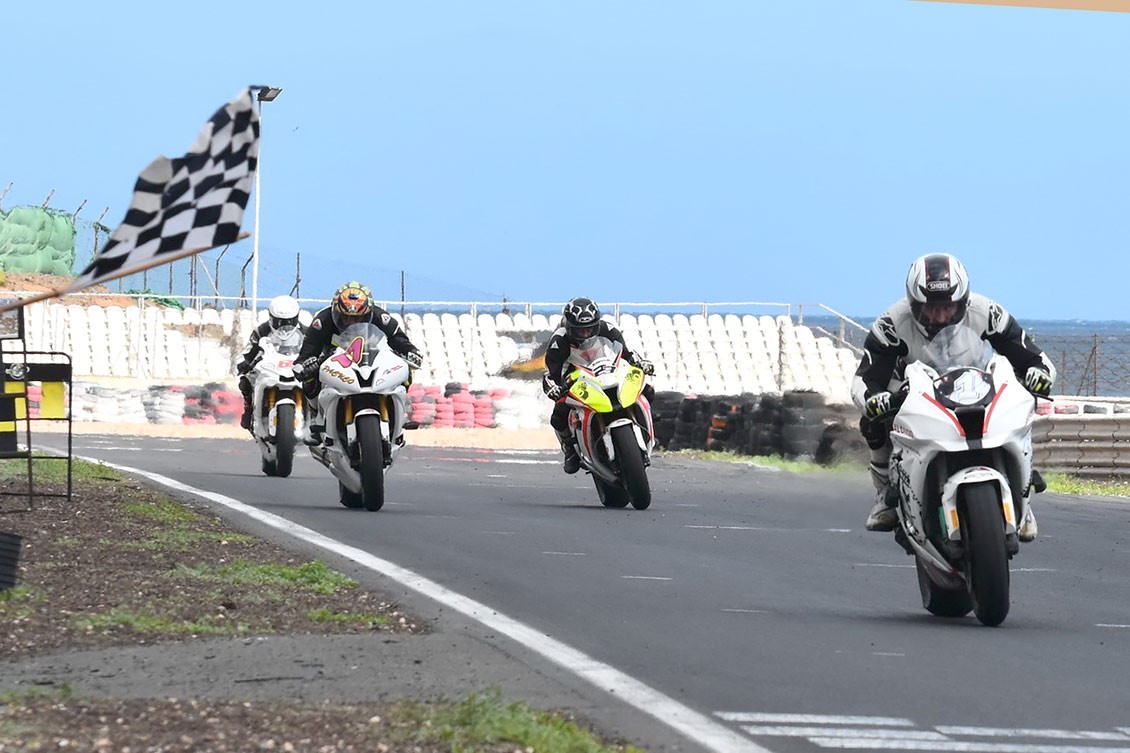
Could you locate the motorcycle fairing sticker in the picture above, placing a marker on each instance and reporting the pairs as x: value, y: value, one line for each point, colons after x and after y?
x: 352, y: 354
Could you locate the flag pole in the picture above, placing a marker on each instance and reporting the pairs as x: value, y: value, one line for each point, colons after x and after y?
x: 164, y: 259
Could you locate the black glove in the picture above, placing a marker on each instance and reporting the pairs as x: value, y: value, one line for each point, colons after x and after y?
x: 414, y: 358
x: 552, y: 389
x: 646, y: 366
x: 305, y: 369
x: 1038, y: 381
x: 878, y: 405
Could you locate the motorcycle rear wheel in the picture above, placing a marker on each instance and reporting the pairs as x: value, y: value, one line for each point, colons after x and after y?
x: 284, y: 440
x: 986, y: 565
x: 937, y: 600
x: 632, y: 470
x: 372, y: 465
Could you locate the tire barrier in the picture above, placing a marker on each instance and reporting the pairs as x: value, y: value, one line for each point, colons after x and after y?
x: 517, y: 405
x: 792, y: 425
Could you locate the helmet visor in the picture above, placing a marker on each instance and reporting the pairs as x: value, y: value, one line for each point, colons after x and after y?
x: 580, y: 334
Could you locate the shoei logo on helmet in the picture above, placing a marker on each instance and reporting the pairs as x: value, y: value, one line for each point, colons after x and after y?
x: 935, y: 285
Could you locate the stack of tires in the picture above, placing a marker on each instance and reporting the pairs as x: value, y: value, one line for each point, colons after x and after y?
x: 728, y: 423
x: 802, y: 423
x: 664, y: 416
x: 687, y: 435
x: 764, y: 432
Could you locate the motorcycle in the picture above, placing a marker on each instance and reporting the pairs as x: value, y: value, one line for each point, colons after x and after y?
x: 962, y: 469
x: 277, y: 402
x: 611, y: 421
x: 364, y: 402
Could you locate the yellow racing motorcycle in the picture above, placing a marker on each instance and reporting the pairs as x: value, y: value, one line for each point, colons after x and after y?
x: 610, y: 419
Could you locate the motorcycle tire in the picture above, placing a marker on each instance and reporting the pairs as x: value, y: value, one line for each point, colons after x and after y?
x: 986, y: 559
x: 937, y: 600
x: 372, y: 465
x: 610, y: 496
x: 284, y: 440
x: 349, y: 499
x: 633, y: 474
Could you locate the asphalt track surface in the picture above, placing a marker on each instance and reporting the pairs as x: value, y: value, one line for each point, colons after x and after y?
x: 747, y: 608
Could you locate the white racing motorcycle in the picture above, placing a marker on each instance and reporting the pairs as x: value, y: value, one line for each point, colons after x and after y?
x: 278, y: 418
x: 611, y: 421
x: 364, y: 402
x: 962, y: 467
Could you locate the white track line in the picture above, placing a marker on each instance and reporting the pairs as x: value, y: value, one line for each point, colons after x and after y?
x: 1052, y: 734
x: 695, y: 726
x: 767, y: 718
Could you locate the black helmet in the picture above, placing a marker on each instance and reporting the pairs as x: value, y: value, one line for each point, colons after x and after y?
x: 937, y: 288
x: 581, y: 318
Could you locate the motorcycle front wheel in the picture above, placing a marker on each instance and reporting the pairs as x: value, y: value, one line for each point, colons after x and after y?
x: 372, y: 462
x: 284, y: 440
x: 986, y: 558
x: 632, y: 470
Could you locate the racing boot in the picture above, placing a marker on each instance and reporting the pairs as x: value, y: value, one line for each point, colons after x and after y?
x: 883, y: 516
x: 572, y: 462
x: 1028, y: 530
x: 315, y: 428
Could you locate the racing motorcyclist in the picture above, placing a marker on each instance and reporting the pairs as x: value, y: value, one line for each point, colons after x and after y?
x: 580, y: 320
x: 352, y: 304
x: 937, y: 296
x: 282, y: 318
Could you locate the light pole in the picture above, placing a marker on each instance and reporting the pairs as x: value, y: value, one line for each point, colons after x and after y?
x: 265, y: 94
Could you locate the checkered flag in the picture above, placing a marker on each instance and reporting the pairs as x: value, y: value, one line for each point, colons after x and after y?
x: 189, y: 204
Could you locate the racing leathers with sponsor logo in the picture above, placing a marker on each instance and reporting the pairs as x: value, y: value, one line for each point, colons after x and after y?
x: 899, y: 337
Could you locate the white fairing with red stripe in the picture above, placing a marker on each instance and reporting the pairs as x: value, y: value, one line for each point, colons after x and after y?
x: 966, y: 420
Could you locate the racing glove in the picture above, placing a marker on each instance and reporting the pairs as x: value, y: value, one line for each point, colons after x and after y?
x: 878, y: 405
x: 305, y: 369
x: 552, y: 389
x: 1038, y: 381
x: 414, y: 359
x: 646, y: 366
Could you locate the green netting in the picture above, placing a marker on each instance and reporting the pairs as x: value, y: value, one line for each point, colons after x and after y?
x: 33, y: 239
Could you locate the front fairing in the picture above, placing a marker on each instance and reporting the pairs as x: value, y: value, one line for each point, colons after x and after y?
x: 363, y: 362
x: 602, y: 380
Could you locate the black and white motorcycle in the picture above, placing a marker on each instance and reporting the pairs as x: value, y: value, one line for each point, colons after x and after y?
x: 962, y: 468
x: 278, y: 418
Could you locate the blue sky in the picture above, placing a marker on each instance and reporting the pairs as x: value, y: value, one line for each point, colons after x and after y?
x: 800, y: 151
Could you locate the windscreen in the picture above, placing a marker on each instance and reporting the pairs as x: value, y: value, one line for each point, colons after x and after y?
x: 957, y: 345
x: 595, y: 349
x: 372, y: 339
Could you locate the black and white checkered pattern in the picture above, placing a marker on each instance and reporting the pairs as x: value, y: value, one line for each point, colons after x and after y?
x: 188, y: 204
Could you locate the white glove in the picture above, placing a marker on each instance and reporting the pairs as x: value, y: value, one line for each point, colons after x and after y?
x: 645, y: 366
x: 1038, y: 381
x: 878, y: 405
x: 552, y: 389
x: 414, y: 359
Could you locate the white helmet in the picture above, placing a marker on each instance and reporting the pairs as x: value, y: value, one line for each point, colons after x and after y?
x: 937, y: 288
x: 283, y: 313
